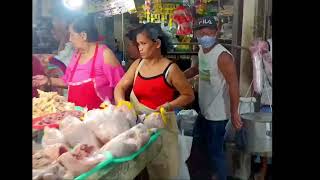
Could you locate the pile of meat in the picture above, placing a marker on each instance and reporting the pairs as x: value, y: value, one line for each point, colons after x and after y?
x: 78, y: 146
x: 128, y: 142
x: 57, y: 117
x: 48, y: 103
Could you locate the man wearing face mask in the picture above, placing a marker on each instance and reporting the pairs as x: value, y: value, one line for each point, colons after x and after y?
x: 218, y: 95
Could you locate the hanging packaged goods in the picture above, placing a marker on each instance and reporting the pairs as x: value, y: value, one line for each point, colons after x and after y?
x: 154, y: 11
x: 111, y: 7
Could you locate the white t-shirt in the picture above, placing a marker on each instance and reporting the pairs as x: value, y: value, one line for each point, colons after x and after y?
x: 214, y: 99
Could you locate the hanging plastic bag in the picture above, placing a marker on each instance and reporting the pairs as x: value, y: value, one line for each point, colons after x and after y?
x: 257, y: 49
x: 186, y: 120
x: 246, y: 105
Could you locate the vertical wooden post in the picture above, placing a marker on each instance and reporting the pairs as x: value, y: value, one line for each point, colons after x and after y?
x: 237, y: 32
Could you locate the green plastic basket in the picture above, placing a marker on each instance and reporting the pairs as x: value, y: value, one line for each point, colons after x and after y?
x: 110, y: 160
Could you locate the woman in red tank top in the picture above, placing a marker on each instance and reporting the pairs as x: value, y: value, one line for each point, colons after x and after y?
x: 154, y: 77
x: 155, y: 80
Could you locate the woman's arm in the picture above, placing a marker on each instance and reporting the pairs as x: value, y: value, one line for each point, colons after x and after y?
x: 180, y: 83
x: 125, y: 82
x: 41, y: 80
x: 58, y: 82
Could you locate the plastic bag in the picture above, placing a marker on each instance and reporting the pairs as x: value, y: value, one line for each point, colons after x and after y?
x: 246, y: 104
x: 257, y: 73
x: 107, y: 124
x: 257, y: 49
x: 80, y: 160
x: 186, y: 120
x: 75, y: 132
x: 185, y: 143
x: 183, y: 17
x: 128, y: 142
x: 52, y: 136
x: 130, y: 114
x: 154, y: 120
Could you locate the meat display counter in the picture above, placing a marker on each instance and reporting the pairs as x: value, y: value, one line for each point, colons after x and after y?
x: 127, y: 167
x: 126, y: 170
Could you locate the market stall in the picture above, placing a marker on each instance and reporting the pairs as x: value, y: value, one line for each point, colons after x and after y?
x: 106, y: 143
x: 51, y: 111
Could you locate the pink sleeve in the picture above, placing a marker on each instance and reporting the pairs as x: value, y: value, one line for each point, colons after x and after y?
x: 113, y: 74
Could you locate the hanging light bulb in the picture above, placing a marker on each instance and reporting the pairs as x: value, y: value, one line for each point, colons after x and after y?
x: 73, y: 4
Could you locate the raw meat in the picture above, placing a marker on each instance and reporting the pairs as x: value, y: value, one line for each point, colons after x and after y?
x: 52, y: 136
x: 54, y: 151
x: 47, y: 155
x: 154, y: 120
x: 75, y: 132
x: 57, y: 117
x: 40, y: 160
x: 128, y: 142
x: 106, y: 124
x: 52, y: 172
x: 81, y: 160
x: 130, y: 115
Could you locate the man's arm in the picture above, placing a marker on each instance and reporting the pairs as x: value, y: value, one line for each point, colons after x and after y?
x: 194, y: 69
x: 191, y: 72
x: 228, y: 69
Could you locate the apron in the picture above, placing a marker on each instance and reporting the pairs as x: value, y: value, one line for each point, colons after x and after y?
x: 84, y: 93
x: 166, y: 164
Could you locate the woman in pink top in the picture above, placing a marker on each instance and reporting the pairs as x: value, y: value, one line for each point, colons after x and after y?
x: 93, y: 72
x: 37, y: 69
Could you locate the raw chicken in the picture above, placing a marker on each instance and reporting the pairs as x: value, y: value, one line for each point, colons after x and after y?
x: 48, y: 155
x: 130, y: 114
x: 128, y: 142
x: 54, y: 151
x: 52, y: 172
x: 40, y: 160
x: 154, y: 120
x: 52, y: 136
x: 81, y: 160
x: 122, y: 145
x: 106, y: 124
x: 75, y: 132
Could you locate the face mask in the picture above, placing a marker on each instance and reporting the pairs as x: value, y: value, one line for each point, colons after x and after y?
x: 207, y: 41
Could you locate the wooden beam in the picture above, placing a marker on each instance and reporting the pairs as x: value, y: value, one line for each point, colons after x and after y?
x: 237, y: 32
x: 247, y: 37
